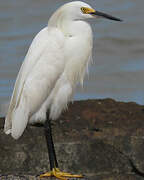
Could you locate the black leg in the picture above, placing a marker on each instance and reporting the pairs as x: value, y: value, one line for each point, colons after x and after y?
x: 52, y: 156
x: 50, y: 145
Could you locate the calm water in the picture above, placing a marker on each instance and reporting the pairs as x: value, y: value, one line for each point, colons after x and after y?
x: 118, y: 53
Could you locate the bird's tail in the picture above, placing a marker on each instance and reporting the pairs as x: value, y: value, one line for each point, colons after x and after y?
x: 19, y: 119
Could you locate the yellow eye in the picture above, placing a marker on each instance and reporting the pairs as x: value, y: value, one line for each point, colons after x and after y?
x: 84, y: 10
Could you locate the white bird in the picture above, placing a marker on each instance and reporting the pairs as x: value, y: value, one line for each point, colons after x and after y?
x: 55, y: 63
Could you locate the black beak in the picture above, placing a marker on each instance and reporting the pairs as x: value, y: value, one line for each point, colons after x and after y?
x: 97, y: 13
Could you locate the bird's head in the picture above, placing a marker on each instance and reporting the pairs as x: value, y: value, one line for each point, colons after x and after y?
x: 79, y: 10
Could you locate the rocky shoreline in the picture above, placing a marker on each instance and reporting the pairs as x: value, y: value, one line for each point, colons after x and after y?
x: 103, y: 139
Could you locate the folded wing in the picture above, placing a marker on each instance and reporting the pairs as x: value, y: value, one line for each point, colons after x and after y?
x: 41, y: 68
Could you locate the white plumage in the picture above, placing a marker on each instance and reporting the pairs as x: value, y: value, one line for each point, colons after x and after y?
x: 56, y: 61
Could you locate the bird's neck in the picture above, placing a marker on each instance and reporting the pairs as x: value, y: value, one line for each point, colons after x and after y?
x: 68, y: 26
x: 56, y: 19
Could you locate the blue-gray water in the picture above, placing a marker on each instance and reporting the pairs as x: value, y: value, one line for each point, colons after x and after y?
x: 118, y: 54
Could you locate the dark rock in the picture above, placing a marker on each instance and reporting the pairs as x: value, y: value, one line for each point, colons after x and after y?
x: 89, y: 177
x: 102, y: 139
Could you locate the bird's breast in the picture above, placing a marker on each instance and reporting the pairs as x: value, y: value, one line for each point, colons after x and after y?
x: 79, y: 40
x: 78, y: 49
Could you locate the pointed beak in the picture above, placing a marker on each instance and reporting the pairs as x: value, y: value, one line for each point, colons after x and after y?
x: 107, y: 16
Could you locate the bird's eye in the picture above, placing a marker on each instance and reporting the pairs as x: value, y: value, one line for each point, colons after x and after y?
x: 83, y: 9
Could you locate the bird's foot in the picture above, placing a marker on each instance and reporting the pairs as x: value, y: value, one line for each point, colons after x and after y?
x: 59, y: 174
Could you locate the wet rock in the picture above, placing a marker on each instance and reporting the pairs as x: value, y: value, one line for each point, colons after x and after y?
x: 102, y: 139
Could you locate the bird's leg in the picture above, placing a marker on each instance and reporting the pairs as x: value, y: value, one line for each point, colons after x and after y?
x: 50, y: 145
x: 52, y: 156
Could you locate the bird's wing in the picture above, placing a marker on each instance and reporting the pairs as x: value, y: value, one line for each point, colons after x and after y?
x: 39, y: 48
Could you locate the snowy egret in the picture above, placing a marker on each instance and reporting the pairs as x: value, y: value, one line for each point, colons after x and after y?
x: 56, y: 61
